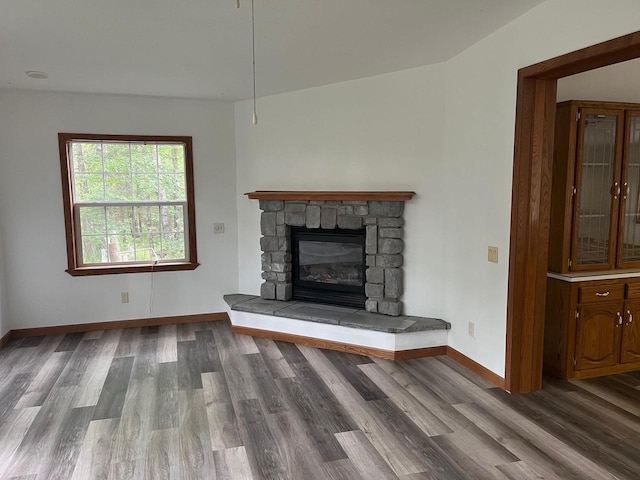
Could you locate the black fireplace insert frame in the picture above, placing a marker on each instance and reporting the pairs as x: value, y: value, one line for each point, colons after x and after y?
x: 319, y: 292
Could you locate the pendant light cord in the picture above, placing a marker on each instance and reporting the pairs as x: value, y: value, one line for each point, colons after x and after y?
x: 253, y: 58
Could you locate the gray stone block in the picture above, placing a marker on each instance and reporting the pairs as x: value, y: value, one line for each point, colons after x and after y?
x: 333, y: 203
x: 269, y: 244
x: 370, y: 221
x: 316, y: 202
x: 281, y: 230
x: 283, y: 291
x: 354, y: 202
x: 283, y: 277
x: 391, y: 222
x: 375, y: 275
x: 391, y: 232
x: 280, y: 218
x: 268, y: 291
x: 386, y: 209
x: 295, y: 219
x: 284, y: 244
x: 371, y: 306
x: 270, y: 276
x: 389, y: 260
x: 313, y: 216
x: 281, y: 267
x: 265, y: 257
x: 294, y: 207
x: 371, y: 260
x: 374, y: 290
x: 390, y: 246
x: 268, y: 223
x: 328, y: 218
x: 271, y: 205
x: 371, y: 242
x: 266, y: 266
x: 392, y: 282
x: 282, y: 257
x: 390, y: 307
x: 345, y: 210
x: 360, y: 210
x: 328, y: 314
x: 349, y: 222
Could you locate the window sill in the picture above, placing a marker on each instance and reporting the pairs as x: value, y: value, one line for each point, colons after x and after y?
x: 145, y: 268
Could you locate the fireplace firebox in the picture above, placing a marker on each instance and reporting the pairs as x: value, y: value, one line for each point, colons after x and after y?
x: 328, y: 266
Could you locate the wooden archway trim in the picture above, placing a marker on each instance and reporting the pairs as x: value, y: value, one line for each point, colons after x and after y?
x: 531, y: 201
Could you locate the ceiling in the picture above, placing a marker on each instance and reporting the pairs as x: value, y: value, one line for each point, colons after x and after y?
x: 202, y: 48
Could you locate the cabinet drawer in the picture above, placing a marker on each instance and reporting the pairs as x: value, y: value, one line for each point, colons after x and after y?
x: 633, y: 290
x: 602, y: 293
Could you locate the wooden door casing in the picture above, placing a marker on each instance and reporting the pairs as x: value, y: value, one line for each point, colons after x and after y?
x: 598, y: 335
x: 630, y: 344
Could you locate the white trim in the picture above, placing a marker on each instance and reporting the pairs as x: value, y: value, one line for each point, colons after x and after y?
x: 337, y: 333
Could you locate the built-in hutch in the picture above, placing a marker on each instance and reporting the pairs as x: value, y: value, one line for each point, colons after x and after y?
x: 593, y: 288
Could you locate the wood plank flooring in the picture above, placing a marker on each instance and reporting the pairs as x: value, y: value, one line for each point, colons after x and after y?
x: 197, y: 402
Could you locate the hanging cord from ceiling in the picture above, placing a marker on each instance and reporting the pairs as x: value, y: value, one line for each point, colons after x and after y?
x: 254, y: 118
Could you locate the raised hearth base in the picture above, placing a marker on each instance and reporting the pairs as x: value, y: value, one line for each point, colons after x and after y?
x: 338, y: 328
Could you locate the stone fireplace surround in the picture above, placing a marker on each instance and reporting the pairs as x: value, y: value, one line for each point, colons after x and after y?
x: 380, y: 213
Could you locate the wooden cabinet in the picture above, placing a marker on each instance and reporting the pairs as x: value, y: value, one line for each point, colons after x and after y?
x: 595, y: 212
x: 592, y: 327
x: 630, y: 346
x: 598, y: 335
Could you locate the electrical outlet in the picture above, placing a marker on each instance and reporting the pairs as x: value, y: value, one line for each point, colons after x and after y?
x: 218, y: 228
x: 125, y: 297
x: 493, y: 254
x: 472, y: 329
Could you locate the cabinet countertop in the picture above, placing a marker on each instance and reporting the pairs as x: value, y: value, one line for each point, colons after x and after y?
x: 591, y: 276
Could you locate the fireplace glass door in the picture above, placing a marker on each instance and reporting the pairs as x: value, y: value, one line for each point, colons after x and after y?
x: 329, y: 266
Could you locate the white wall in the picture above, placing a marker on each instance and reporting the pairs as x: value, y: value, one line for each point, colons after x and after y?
x: 40, y: 292
x: 389, y: 132
x: 615, y: 83
x: 480, y: 111
x: 4, y: 318
x: 380, y: 133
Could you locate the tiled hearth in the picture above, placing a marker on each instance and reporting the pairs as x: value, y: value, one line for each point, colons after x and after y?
x: 334, y: 327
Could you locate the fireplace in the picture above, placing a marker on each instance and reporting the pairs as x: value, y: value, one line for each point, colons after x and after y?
x: 328, y: 266
x: 371, y: 226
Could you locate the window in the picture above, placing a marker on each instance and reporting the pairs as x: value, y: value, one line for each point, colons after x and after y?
x: 128, y: 202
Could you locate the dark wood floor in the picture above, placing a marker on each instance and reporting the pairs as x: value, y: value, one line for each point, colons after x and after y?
x: 195, y: 401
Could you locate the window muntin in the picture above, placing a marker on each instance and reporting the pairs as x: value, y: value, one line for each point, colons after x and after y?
x: 130, y: 201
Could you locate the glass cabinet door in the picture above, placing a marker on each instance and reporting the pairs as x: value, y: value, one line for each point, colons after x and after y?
x: 629, y: 243
x: 598, y: 189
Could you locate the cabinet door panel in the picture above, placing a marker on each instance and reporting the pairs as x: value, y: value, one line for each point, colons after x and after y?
x: 598, y: 182
x: 630, y: 351
x: 598, y: 335
x: 629, y: 241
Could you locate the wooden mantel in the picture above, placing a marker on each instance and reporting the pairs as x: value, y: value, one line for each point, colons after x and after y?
x: 333, y: 195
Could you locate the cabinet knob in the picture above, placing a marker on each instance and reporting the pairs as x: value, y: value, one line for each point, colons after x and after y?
x: 619, y: 320
x: 625, y: 189
x: 602, y: 294
x: 630, y: 317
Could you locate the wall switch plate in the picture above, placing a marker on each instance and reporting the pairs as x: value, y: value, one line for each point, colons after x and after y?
x: 125, y: 297
x: 493, y: 254
x: 472, y: 329
x: 218, y: 228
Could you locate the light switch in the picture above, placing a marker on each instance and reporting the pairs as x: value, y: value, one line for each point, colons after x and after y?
x: 493, y: 254
x: 218, y: 228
